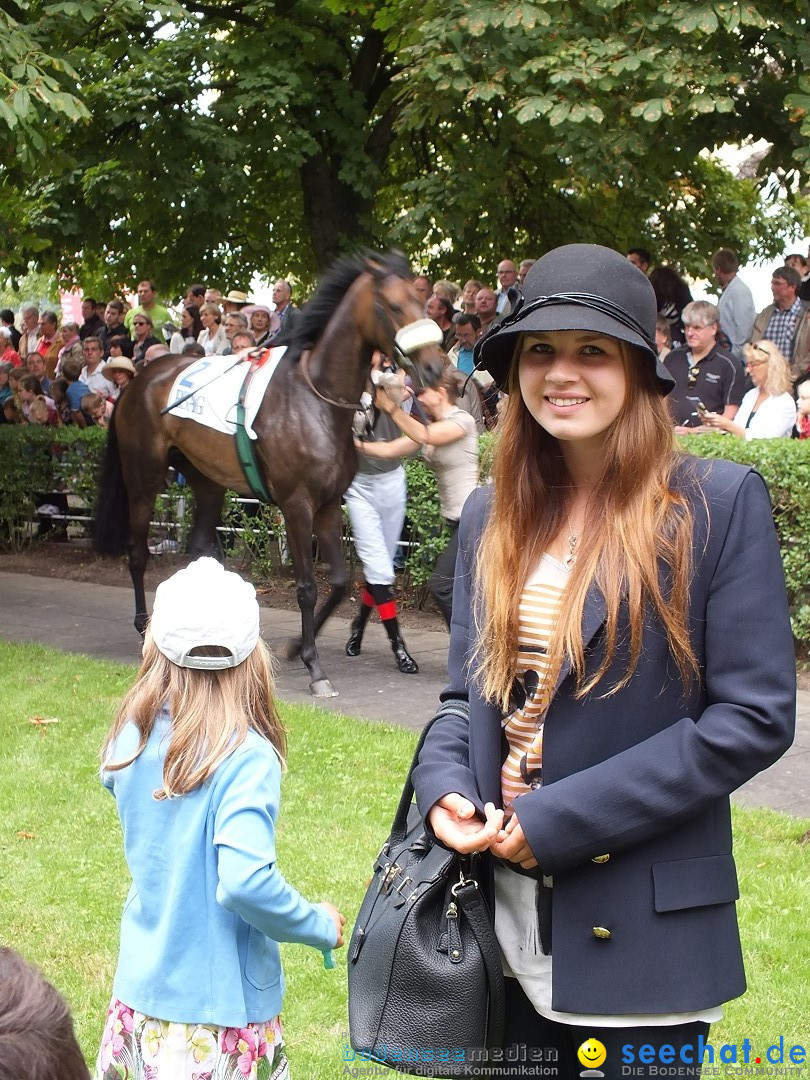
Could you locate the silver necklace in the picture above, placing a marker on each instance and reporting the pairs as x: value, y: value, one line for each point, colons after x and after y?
x: 573, y: 540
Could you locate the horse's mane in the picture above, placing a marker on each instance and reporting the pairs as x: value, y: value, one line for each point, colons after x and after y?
x: 332, y: 288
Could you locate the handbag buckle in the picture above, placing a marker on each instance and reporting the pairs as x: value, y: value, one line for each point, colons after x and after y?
x: 462, y: 881
x: 389, y: 876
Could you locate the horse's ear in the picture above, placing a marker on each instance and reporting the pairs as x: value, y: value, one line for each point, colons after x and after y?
x: 391, y: 263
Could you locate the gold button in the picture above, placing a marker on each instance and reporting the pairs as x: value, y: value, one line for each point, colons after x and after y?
x: 600, y: 858
x: 601, y: 932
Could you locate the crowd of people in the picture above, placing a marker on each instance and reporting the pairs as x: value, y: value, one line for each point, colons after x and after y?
x: 79, y: 370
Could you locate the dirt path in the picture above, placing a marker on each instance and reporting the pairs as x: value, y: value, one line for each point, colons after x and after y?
x: 74, y: 561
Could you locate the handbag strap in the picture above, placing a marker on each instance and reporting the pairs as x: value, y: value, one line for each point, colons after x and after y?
x: 471, y: 903
x: 399, y: 828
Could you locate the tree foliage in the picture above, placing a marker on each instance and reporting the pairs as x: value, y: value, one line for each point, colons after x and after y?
x: 222, y: 137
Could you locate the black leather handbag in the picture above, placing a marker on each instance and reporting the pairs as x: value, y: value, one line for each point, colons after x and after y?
x: 426, y: 989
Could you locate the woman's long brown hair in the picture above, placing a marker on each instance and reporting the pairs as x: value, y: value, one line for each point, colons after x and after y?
x: 636, y: 525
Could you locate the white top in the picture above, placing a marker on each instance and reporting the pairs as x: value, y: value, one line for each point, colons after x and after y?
x: 455, y: 465
x: 98, y: 382
x: 774, y: 419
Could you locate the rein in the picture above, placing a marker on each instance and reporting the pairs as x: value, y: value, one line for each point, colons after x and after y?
x: 341, y: 403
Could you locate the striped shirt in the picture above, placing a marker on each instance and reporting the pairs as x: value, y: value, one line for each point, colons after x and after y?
x: 540, y: 604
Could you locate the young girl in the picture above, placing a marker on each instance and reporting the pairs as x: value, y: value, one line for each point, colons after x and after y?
x: 194, y: 761
x: 622, y: 650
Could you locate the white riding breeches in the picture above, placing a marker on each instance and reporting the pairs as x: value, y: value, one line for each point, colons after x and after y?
x: 376, y: 503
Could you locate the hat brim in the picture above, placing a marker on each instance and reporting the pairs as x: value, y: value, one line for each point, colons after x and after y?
x: 495, y: 351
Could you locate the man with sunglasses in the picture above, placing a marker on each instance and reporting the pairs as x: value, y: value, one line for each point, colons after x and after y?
x: 704, y: 375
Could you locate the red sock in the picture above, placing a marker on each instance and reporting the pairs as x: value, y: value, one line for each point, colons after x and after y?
x: 388, y: 610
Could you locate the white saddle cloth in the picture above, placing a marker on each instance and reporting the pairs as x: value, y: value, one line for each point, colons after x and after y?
x: 215, y: 390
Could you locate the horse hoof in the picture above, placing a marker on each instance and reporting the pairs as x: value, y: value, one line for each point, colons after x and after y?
x: 140, y: 622
x: 292, y: 650
x: 322, y: 688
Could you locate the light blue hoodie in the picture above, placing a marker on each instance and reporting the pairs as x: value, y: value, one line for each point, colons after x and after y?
x: 208, y: 903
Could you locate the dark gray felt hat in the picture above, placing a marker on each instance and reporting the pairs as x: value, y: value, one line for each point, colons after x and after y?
x: 578, y: 287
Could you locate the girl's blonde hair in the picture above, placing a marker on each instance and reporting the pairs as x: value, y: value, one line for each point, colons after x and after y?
x: 778, y: 379
x: 636, y: 524
x: 211, y: 712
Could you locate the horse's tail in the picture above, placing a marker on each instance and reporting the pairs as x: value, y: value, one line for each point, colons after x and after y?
x: 111, y: 526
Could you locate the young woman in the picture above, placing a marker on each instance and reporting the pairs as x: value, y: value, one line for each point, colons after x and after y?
x: 768, y: 410
x: 121, y: 370
x: 622, y: 649
x: 194, y: 761
x: 190, y: 328
x: 212, y: 336
x: 143, y: 330
x: 450, y: 446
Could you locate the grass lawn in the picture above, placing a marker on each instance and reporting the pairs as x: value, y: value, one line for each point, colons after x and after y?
x: 63, y: 878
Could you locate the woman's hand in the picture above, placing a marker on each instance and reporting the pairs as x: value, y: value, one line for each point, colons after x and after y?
x: 716, y: 421
x: 383, y: 402
x: 511, y: 845
x: 455, y: 821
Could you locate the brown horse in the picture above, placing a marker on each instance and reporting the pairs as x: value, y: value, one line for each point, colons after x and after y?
x: 304, y: 427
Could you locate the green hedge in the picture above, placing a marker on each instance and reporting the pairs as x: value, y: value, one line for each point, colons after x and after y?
x: 785, y: 467
x: 35, y: 461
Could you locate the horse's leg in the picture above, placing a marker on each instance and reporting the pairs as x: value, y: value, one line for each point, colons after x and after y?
x: 141, y: 507
x: 298, y: 519
x: 328, y: 527
x: 208, y: 500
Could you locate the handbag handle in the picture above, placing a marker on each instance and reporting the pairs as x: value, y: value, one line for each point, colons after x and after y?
x: 471, y: 904
x: 399, y: 828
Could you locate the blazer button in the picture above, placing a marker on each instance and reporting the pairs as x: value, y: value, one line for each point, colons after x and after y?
x: 601, y: 932
x: 600, y: 858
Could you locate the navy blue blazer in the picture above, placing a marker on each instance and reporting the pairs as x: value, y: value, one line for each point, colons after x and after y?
x: 633, y: 818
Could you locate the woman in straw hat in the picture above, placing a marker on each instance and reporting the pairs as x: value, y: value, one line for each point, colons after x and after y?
x: 612, y: 704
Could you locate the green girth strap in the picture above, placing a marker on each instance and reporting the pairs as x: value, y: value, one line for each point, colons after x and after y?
x: 245, y: 446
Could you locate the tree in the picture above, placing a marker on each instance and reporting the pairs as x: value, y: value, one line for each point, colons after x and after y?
x: 230, y: 136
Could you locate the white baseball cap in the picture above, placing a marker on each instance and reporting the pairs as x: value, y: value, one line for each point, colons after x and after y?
x: 204, y: 604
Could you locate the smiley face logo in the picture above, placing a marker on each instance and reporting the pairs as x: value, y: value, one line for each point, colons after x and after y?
x: 591, y: 1054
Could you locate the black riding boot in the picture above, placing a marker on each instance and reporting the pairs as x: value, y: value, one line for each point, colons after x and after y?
x: 405, y: 662
x: 359, y: 624
x: 383, y: 596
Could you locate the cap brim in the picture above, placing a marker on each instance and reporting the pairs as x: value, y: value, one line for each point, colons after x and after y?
x: 495, y: 351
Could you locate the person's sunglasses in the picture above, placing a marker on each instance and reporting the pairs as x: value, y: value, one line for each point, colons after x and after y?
x: 694, y: 371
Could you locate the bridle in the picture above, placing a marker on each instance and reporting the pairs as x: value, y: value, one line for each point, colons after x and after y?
x: 418, y: 331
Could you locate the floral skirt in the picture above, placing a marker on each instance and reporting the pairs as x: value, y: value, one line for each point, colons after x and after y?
x: 138, y: 1047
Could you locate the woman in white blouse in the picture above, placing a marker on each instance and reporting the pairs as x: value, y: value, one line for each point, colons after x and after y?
x: 212, y: 338
x: 768, y: 410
